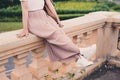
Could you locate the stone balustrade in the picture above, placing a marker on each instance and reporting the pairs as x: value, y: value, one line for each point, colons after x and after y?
x: 100, y: 28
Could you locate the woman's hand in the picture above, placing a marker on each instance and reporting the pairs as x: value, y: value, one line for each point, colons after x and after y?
x: 60, y: 24
x: 24, y: 33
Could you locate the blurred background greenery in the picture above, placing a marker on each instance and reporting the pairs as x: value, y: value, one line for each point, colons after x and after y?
x: 10, y: 10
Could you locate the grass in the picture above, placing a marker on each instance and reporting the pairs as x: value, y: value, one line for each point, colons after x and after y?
x: 74, y: 5
x: 9, y: 26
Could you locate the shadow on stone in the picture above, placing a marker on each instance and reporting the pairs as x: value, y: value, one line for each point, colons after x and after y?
x: 105, y: 72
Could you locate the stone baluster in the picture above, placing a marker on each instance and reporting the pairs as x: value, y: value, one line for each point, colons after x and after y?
x: 93, y: 37
x: 74, y: 39
x: 21, y: 72
x: 86, y: 39
x: 2, y: 69
x: 38, y: 66
x: 91, y: 41
x: 79, y: 39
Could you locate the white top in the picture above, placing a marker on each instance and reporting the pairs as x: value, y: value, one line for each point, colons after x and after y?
x: 35, y: 4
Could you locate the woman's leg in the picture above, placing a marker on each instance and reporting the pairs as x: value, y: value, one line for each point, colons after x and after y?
x: 60, y: 47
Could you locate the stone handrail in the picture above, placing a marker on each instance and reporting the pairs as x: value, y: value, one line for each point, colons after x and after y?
x: 99, y: 28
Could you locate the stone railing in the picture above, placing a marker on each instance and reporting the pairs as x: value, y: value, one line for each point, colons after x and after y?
x: 100, y: 28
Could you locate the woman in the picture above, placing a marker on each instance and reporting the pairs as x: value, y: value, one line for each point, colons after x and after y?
x: 37, y: 21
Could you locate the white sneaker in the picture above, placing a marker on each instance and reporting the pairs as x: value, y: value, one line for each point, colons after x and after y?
x: 82, y: 62
x: 87, y: 52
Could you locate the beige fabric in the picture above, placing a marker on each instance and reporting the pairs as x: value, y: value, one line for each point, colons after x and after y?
x: 35, y: 4
x: 59, y: 45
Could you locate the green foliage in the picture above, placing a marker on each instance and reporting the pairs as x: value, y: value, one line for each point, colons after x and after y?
x: 14, y: 11
x: 70, y: 75
x: 110, y: 4
x: 8, y: 13
x: 10, y: 19
x: 7, y: 3
x: 17, y: 7
x: 74, y: 11
x: 101, y: 7
x: 117, y: 7
x: 68, y: 16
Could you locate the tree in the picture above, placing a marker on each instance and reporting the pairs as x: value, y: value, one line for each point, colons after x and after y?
x: 6, y: 3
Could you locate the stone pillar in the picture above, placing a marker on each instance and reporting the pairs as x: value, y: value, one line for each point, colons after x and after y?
x: 107, y: 40
x: 89, y: 38
x: 99, y: 43
x: 115, y: 51
x: 110, y: 39
x: 79, y: 39
x: 21, y: 72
